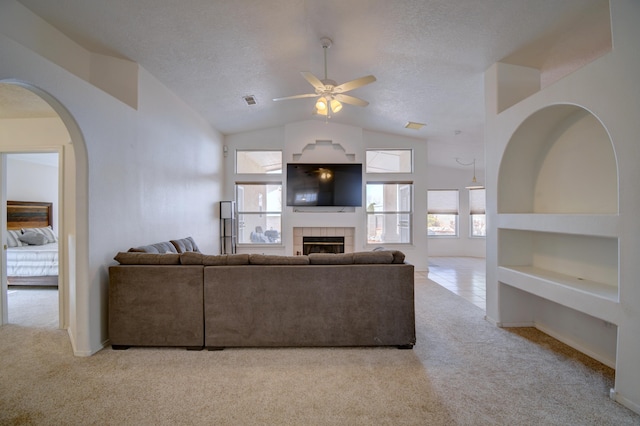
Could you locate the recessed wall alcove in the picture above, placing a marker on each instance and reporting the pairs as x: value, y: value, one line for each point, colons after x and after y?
x: 558, y: 233
x: 560, y: 160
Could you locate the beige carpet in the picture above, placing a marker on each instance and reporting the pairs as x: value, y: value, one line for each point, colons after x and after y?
x: 33, y: 306
x: 463, y: 371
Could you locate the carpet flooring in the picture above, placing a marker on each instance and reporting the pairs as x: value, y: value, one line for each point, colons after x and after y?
x: 462, y: 371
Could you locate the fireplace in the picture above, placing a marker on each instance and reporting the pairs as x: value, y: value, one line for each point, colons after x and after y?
x: 348, y: 235
x: 322, y: 245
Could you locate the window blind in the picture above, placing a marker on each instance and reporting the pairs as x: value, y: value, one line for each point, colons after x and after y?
x: 477, y: 201
x: 442, y: 201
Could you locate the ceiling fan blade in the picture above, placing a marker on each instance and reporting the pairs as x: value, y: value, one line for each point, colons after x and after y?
x: 351, y: 100
x: 354, y: 84
x: 307, y: 95
x: 313, y: 80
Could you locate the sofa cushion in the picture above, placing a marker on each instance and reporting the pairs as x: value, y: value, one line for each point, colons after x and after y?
x: 162, y: 247
x: 222, y: 259
x: 373, y: 257
x: 138, y: 258
x: 270, y: 259
x: 237, y: 259
x: 197, y: 258
x: 330, y: 258
x: 191, y: 258
x: 398, y: 256
x: 184, y: 245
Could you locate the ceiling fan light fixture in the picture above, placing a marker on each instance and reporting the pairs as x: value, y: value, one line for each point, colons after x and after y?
x: 321, y: 111
x: 330, y: 96
x: 321, y: 103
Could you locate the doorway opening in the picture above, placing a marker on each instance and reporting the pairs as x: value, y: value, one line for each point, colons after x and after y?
x: 33, y: 217
x: 34, y: 146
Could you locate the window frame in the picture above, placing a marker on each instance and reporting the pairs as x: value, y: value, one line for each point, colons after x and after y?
x: 240, y: 212
x: 446, y: 211
x: 382, y: 150
x: 399, y: 213
x: 238, y: 151
x: 477, y: 210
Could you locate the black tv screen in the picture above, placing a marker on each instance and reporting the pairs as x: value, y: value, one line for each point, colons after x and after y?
x: 338, y: 185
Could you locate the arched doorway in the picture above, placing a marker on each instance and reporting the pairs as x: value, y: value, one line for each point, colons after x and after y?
x: 69, y: 150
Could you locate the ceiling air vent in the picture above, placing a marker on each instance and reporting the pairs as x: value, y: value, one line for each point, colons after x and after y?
x: 250, y: 100
x: 413, y: 125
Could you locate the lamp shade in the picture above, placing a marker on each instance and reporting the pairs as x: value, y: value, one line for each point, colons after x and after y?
x: 321, y: 104
x: 227, y: 209
x: 335, y: 105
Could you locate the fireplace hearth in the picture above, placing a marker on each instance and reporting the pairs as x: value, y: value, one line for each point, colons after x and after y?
x: 314, y: 244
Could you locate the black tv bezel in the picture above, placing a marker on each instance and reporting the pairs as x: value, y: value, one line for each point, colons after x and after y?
x: 290, y: 198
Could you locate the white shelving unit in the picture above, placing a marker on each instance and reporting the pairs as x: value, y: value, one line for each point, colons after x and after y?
x: 562, y: 177
x: 558, y: 226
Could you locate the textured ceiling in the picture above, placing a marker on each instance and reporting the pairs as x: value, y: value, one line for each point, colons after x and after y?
x: 428, y: 56
x: 16, y: 102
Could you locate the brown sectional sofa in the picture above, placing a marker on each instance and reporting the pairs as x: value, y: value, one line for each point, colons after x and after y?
x: 194, y: 300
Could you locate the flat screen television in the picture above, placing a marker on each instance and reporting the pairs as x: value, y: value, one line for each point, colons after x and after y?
x: 335, y: 185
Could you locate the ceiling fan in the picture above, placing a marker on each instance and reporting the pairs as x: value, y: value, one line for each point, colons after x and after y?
x: 331, y: 95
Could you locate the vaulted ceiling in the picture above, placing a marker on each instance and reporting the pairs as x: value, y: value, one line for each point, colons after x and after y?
x: 428, y: 56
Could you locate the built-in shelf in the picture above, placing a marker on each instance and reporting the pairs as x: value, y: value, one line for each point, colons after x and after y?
x: 597, y: 299
x: 559, y: 229
x: 606, y: 225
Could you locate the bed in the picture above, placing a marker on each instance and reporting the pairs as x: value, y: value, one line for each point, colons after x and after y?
x: 32, y: 245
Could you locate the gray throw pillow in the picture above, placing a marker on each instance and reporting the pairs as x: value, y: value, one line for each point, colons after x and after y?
x: 33, y: 238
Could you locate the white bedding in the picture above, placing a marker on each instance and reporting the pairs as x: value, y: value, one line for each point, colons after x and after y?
x: 32, y: 261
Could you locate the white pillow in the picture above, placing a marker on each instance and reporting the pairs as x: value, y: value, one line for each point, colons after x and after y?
x: 13, y: 238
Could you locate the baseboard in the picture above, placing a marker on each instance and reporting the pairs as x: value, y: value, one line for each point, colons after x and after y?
x: 624, y: 401
x: 576, y: 346
x: 79, y: 353
x: 515, y: 324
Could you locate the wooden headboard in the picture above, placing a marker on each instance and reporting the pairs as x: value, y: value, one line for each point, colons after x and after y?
x: 28, y: 214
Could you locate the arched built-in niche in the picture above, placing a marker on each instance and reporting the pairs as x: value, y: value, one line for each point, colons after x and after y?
x: 558, y: 233
x: 560, y: 160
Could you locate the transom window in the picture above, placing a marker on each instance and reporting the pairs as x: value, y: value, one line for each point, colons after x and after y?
x: 258, y: 161
x: 389, y: 161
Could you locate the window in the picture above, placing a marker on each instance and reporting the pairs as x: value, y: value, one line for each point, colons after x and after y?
x: 477, y: 213
x: 442, y: 212
x: 261, y: 162
x: 389, y: 212
x: 389, y: 161
x: 259, y: 213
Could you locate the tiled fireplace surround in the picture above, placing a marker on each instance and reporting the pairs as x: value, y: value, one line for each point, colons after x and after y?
x: 347, y: 233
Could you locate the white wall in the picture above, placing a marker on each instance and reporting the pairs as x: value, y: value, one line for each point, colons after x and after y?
x: 145, y: 175
x: 32, y: 135
x: 463, y: 245
x: 348, y: 143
